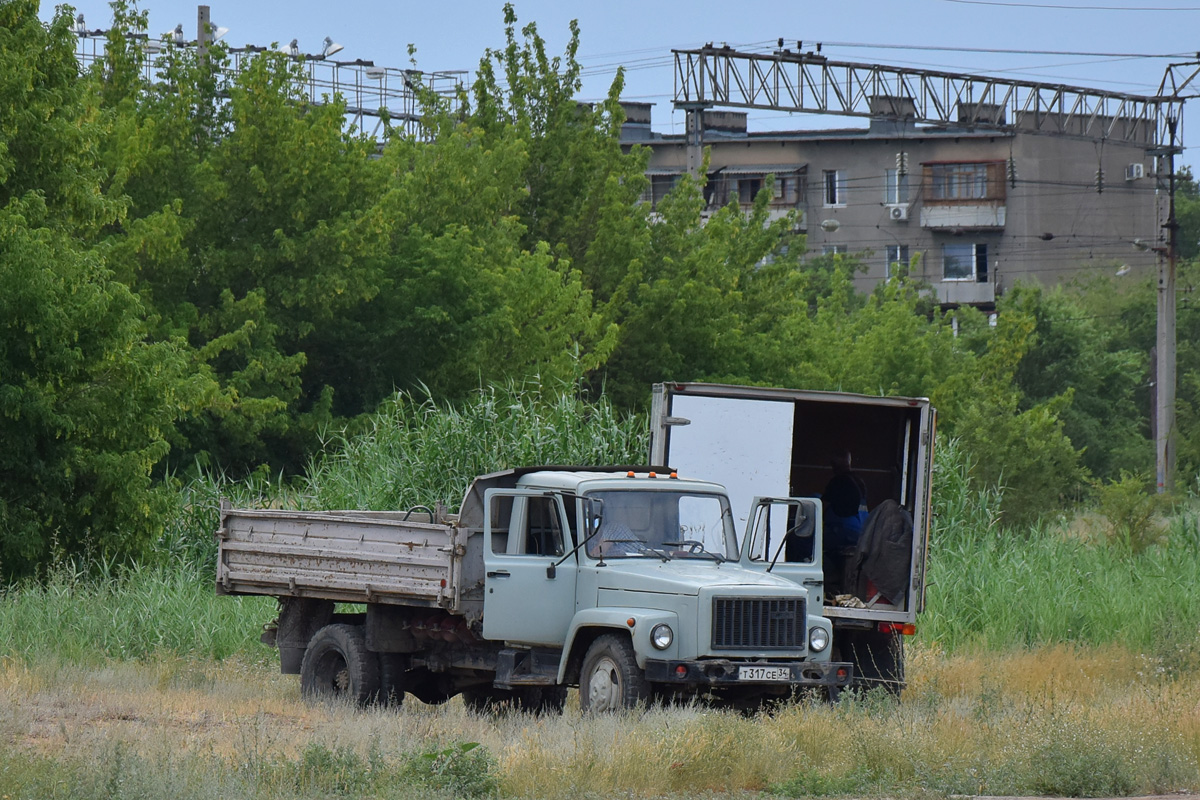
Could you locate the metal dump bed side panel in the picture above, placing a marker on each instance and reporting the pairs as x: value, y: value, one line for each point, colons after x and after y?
x: 339, y: 555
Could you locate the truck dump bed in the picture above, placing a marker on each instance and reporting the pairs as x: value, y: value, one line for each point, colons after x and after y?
x: 347, y: 556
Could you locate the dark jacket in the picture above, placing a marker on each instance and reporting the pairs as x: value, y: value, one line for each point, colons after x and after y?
x: 884, y: 553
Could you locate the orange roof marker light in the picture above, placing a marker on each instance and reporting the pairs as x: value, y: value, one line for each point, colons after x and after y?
x: 652, y: 475
x: 630, y: 474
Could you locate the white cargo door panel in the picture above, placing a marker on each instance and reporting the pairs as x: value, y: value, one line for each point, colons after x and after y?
x: 744, y: 444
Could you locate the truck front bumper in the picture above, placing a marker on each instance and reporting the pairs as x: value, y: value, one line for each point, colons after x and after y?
x: 727, y: 673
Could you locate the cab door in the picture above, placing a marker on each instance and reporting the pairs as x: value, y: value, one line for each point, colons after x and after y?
x: 530, y: 571
x: 783, y: 537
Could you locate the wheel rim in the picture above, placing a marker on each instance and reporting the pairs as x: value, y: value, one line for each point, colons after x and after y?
x: 604, y: 687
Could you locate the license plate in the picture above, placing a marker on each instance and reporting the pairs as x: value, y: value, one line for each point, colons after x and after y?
x: 764, y: 673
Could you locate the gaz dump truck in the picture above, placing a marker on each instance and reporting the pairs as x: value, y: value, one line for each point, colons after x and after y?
x: 628, y: 582
x: 762, y: 442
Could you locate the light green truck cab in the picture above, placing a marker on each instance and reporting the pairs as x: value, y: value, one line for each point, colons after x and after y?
x: 640, y: 581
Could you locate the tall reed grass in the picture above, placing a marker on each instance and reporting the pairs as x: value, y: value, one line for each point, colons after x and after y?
x: 417, y: 451
x: 142, y: 612
x: 990, y: 587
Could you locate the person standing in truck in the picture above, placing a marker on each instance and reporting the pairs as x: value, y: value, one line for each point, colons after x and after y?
x: 845, y: 503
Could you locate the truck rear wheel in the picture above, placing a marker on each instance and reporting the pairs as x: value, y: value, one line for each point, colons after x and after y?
x: 610, y: 678
x: 392, y: 679
x: 338, y: 665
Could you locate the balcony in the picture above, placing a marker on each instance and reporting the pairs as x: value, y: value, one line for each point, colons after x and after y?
x: 965, y: 293
x: 981, y: 216
x: 745, y: 181
x: 964, y: 196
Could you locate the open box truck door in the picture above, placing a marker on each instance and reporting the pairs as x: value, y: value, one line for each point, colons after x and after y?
x: 763, y: 442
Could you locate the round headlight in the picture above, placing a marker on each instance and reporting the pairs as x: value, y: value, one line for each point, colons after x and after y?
x: 661, y: 636
x: 818, y: 639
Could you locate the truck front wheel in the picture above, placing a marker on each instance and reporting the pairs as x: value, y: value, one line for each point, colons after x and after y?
x: 610, y: 678
x: 337, y: 664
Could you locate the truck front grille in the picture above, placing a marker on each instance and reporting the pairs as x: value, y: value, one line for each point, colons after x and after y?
x: 758, y: 623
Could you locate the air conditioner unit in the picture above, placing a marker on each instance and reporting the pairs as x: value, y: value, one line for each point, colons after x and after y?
x: 898, y: 213
x: 1135, y: 171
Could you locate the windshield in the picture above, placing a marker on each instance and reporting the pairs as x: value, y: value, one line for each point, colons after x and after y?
x: 661, y: 524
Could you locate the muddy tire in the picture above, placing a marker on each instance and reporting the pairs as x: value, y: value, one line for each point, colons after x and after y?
x: 611, y: 679
x: 392, y: 679
x: 338, y: 666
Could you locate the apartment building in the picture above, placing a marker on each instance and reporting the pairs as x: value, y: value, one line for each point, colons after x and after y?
x: 983, y: 208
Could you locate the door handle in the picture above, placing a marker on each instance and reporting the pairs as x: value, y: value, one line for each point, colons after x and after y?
x: 500, y: 573
x: 811, y: 582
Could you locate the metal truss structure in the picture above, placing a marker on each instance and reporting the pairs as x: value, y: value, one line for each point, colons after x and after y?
x: 808, y: 82
x: 371, y: 93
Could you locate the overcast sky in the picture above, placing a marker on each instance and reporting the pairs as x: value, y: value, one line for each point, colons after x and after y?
x: 1120, y: 45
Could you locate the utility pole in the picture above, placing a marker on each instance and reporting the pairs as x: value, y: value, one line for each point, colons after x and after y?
x: 203, y: 32
x: 1164, y: 433
x: 694, y: 124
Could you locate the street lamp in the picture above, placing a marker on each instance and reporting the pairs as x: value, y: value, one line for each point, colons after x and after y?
x: 329, y: 47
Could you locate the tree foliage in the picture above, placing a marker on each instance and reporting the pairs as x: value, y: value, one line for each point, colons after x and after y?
x: 86, y: 404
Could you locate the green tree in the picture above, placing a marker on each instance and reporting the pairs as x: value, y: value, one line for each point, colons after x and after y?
x: 1187, y: 214
x: 1025, y: 450
x: 701, y: 299
x: 576, y: 175
x: 253, y: 232
x: 1072, y: 349
x: 86, y: 404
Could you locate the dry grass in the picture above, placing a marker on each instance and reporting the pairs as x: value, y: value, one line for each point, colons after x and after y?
x: 1057, y: 721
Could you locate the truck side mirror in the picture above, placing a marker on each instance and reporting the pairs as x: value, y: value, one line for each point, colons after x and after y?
x: 593, y: 513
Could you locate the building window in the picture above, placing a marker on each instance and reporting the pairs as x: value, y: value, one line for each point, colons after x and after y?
x: 895, y: 187
x: 662, y: 185
x: 834, y: 249
x: 659, y: 186
x: 748, y: 188
x: 896, y: 254
x: 835, y: 187
x: 965, y: 262
x: 965, y: 182
x: 787, y: 190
